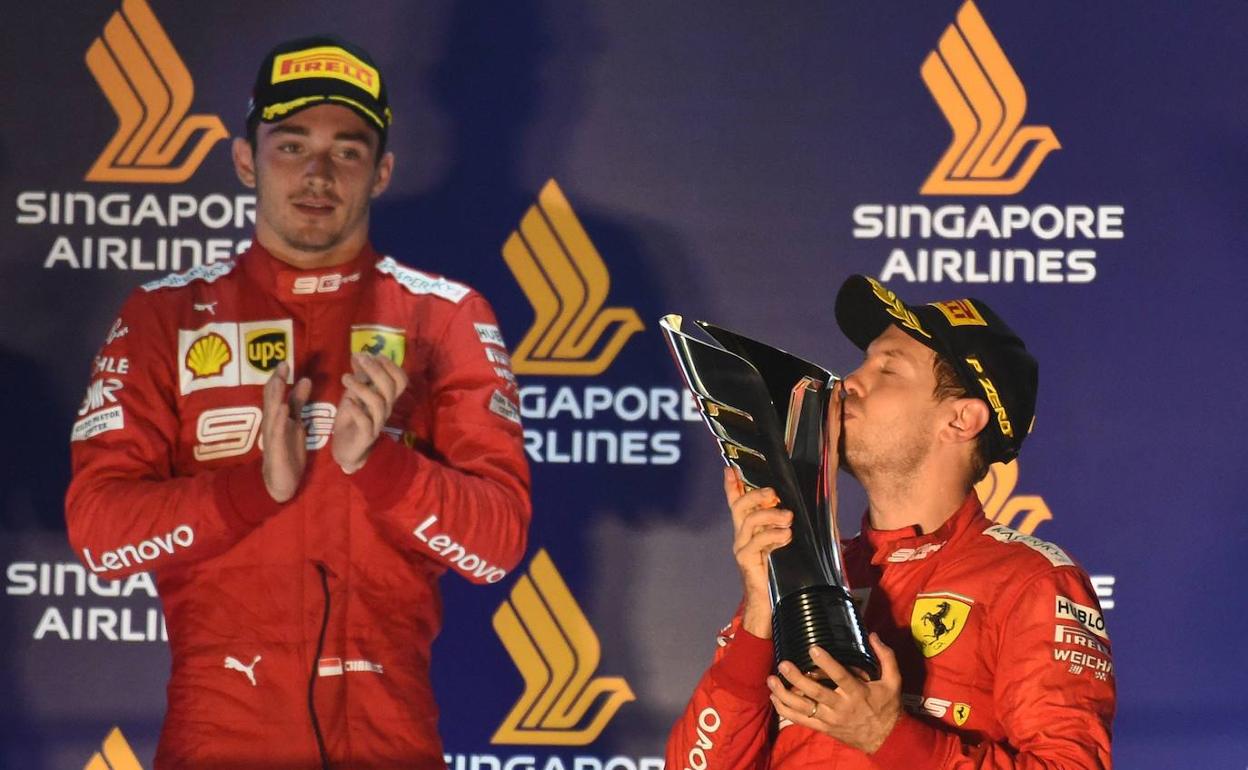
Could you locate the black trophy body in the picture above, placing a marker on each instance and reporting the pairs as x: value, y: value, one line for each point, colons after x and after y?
x: 768, y: 411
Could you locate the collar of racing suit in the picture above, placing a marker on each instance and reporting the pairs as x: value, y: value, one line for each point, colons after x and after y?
x: 291, y: 284
x: 910, y: 544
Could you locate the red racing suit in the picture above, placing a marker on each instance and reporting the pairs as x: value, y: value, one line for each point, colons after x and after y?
x: 309, y: 623
x: 1004, y: 657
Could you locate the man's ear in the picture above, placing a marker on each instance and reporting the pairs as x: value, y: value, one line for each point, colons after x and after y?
x: 381, y: 177
x: 244, y: 161
x: 968, y: 416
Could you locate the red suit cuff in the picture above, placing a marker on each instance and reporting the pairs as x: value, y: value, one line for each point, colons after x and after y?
x: 386, y: 474
x: 241, y: 493
x: 745, y: 665
x: 911, y: 744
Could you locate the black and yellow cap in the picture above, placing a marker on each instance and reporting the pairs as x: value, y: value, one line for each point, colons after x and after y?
x: 991, y: 360
x: 322, y: 69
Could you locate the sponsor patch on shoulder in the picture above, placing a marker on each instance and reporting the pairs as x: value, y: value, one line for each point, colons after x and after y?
x: 206, y: 273
x: 419, y: 283
x: 1056, y: 556
x: 490, y: 335
x: 98, y: 422
x: 504, y: 407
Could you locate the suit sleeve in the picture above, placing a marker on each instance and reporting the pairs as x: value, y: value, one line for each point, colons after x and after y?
x: 465, y: 503
x: 1054, y: 688
x: 126, y: 509
x: 725, y: 725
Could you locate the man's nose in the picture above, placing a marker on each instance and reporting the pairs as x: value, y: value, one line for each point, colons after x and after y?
x: 852, y: 384
x: 319, y: 167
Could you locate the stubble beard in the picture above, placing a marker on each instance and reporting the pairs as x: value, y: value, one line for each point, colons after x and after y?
x: 888, y: 459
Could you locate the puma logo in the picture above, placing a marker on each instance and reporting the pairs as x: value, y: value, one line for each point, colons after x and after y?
x: 207, y: 307
x: 234, y: 664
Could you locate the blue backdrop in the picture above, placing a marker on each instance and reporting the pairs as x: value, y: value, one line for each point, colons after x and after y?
x: 727, y: 161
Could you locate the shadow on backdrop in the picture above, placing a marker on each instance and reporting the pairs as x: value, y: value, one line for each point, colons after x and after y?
x: 513, y: 85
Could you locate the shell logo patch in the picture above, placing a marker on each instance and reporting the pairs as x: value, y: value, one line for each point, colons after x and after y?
x: 937, y: 621
x: 208, y: 356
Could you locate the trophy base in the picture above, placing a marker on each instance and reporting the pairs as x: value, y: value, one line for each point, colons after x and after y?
x: 823, y: 616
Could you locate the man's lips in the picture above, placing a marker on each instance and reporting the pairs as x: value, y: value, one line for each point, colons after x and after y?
x: 315, y: 207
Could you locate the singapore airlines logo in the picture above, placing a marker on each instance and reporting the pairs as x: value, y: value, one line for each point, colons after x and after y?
x: 115, y: 754
x: 567, y: 282
x: 557, y: 653
x: 996, y: 492
x: 976, y: 88
x: 150, y: 89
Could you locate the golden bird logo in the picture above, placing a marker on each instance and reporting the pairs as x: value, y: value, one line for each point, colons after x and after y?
x: 980, y: 94
x: 150, y: 89
x: 115, y: 754
x: 566, y: 282
x: 996, y: 493
x: 557, y: 652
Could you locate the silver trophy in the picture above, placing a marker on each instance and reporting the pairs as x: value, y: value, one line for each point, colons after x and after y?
x: 768, y: 410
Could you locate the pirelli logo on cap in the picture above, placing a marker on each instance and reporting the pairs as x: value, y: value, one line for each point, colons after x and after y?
x: 960, y: 312
x: 326, y: 61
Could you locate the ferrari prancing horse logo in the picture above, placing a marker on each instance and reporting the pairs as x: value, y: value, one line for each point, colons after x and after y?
x: 937, y: 620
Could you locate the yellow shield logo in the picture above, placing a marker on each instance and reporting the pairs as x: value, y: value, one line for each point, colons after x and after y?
x: 961, y: 713
x: 937, y: 621
x: 385, y: 340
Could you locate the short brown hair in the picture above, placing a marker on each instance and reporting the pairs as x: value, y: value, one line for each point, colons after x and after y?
x: 949, y: 386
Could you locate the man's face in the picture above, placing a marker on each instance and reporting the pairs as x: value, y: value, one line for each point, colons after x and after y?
x: 890, y: 409
x: 315, y: 175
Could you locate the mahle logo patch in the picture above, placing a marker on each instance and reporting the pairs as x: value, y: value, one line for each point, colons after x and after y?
x: 937, y: 621
x: 983, y: 99
x: 149, y: 87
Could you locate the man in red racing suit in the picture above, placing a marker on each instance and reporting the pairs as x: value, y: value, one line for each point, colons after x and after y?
x: 301, y: 628
x: 993, y: 645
